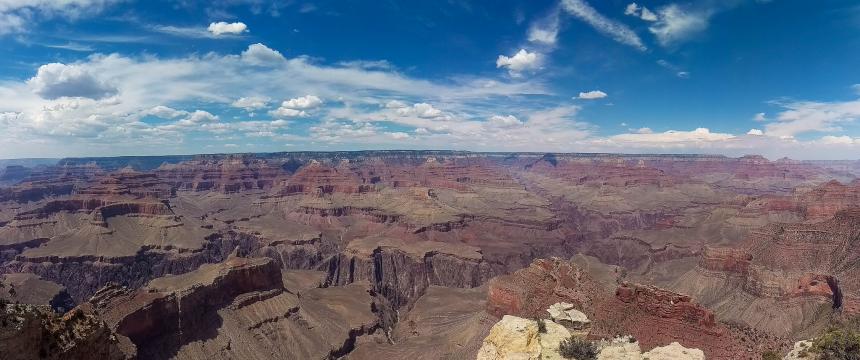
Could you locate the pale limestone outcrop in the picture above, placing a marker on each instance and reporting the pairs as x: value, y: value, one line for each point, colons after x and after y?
x: 674, y: 351
x: 549, y: 341
x: 512, y: 338
x: 801, y: 348
x: 515, y: 338
x: 565, y: 314
x: 622, y: 348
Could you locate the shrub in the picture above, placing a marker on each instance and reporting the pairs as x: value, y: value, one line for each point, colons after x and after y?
x: 837, y: 344
x: 541, y: 326
x: 770, y: 355
x: 577, y: 348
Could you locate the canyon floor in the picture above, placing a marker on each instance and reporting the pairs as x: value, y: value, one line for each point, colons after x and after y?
x: 418, y: 254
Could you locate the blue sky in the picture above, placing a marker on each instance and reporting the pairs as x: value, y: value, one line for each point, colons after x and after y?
x: 113, y: 77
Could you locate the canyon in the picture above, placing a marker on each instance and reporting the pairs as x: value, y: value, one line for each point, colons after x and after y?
x: 418, y: 254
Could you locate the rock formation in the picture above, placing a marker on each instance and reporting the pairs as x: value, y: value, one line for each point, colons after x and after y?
x: 651, y: 315
x: 567, y: 315
x: 238, y: 309
x: 376, y: 241
x: 36, y: 332
x: 804, y: 268
x: 518, y: 338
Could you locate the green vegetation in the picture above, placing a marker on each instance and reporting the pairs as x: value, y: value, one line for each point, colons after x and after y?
x: 578, y: 348
x: 770, y: 355
x: 837, y: 344
x: 541, y: 325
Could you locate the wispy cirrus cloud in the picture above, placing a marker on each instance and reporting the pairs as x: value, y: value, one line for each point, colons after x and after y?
x: 18, y: 16
x: 612, y: 28
x: 641, y: 12
x: 800, y: 117
x: 677, y: 23
x: 544, y: 31
x: 219, y: 30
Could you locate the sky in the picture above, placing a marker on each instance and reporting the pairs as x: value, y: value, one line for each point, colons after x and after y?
x: 123, y: 77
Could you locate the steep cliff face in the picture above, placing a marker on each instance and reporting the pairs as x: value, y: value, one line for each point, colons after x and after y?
x: 762, y: 282
x: 665, y: 304
x: 811, y: 204
x: 787, y: 279
x: 239, y: 309
x: 175, y: 304
x: 84, y: 275
x: 231, y: 174
x: 14, y: 173
x: 609, y: 172
x: 402, y: 272
x: 127, y: 182
x: 51, y: 181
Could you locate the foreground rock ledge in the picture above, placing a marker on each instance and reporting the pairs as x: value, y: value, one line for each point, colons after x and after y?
x: 516, y: 338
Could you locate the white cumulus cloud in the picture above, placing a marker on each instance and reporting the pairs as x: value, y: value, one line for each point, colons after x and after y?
x: 57, y: 80
x: 399, y: 135
x: 259, y: 54
x: 297, y: 107
x: 164, y: 112
x: 251, y: 103
x: 287, y: 112
x: 838, y: 140
x: 224, y: 28
x: 505, y: 121
x: 422, y: 110
x: 673, y: 137
x: 303, y: 102
x: 520, y: 62
x: 592, y: 95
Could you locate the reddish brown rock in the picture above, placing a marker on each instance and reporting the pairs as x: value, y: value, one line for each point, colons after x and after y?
x: 665, y: 304
x: 530, y: 291
x: 226, y: 175
x: 652, y: 315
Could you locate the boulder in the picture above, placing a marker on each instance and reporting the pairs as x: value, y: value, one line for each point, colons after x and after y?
x: 517, y: 338
x: 512, y: 338
x: 565, y: 314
